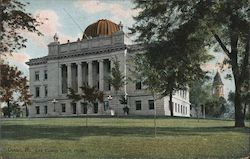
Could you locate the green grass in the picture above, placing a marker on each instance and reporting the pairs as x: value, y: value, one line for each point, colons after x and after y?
x: 68, y: 138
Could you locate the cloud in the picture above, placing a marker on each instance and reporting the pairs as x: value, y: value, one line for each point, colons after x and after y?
x: 96, y: 6
x: 50, y: 21
x: 16, y: 57
x: 50, y: 26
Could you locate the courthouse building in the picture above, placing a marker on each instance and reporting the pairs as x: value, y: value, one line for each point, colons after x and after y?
x: 89, y: 60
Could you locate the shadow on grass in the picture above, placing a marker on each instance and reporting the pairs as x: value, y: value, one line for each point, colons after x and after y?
x: 24, y: 132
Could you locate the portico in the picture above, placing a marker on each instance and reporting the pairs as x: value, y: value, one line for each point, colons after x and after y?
x: 74, y: 75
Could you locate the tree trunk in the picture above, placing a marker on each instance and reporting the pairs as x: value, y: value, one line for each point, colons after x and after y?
x: 239, y: 116
x: 171, y: 103
x: 154, y: 114
x: 245, y: 108
x: 8, y: 104
x: 86, y: 121
x: 117, y: 103
x: 27, y: 112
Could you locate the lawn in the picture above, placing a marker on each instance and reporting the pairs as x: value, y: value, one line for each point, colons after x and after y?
x: 68, y: 138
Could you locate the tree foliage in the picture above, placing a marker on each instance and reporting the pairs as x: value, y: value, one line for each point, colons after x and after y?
x: 185, y: 28
x: 25, y: 96
x: 13, y: 20
x: 12, y: 81
x: 88, y: 94
x: 116, y: 79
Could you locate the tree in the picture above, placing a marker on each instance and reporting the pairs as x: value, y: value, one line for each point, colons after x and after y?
x: 150, y: 78
x: 123, y: 100
x: 200, y: 92
x: 25, y: 95
x: 13, y: 19
x: 215, y: 106
x: 199, y: 24
x: 10, y: 83
x: 13, y: 109
x: 245, y: 99
x: 173, y: 52
x: 116, y: 79
x: 89, y: 94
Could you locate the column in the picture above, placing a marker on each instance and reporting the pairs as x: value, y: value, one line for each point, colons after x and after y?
x: 79, y: 75
x: 101, y: 78
x: 90, y: 74
x: 69, y: 78
x: 60, y: 80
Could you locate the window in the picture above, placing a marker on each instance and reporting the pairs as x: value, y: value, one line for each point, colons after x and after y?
x: 178, y: 108
x: 181, y: 109
x: 151, y: 104
x: 45, y: 109
x: 45, y: 91
x: 138, y: 85
x: 84, y: 108
x: 109, y: 86
x: 63, y: 108
x: 37, y: 75
x: 73, y: 105
x: 37, y: 110
x: 106, y: 105
x: 175, y: 107
x: 138, y: 105
x: 95, y: 108
x: 186, y: 110
x: 45, y: 75
x: 37, y: 91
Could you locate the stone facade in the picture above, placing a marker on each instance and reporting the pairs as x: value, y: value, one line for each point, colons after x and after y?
x: 90, y: 61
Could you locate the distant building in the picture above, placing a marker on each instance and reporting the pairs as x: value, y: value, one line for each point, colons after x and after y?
x: 89, y: 61
x: 218, y: 86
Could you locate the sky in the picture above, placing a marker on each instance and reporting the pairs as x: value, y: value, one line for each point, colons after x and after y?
x: 54, y: 15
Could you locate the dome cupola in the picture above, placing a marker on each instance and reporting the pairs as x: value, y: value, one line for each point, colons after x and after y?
x: 102, y: 27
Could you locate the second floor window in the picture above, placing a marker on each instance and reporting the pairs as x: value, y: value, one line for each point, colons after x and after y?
x: 37, y: 75
x: 138, y: 85
x: 37, y: 92
x: 45, y: 74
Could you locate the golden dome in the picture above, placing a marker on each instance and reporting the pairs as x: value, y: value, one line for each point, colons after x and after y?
x: 101, y: 27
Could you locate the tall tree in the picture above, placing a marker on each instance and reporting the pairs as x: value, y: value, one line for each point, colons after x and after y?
x: 25, y: 96
x: 116, y: 79
x: 190, y: 26
x: 175, y: 54
x: 13, y: 20
x: 150, y: 78
x: 11, y: 80
x: 200, y: 93
x: 88, y: 94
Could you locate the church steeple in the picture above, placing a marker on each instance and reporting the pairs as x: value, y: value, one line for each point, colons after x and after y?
x: 218, y: 85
